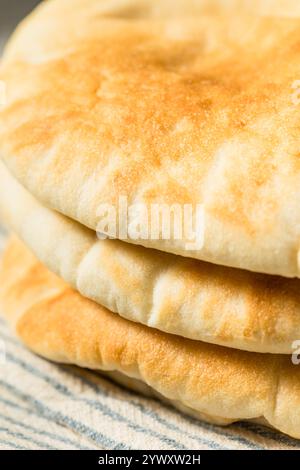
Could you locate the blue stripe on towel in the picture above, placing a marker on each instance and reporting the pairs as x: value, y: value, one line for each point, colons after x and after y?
x: 13, y: 445
x: 269, y: 434
x: 58, y: 417
x: 39, y: 431
x: 19, y: 435
x: 63, y: 390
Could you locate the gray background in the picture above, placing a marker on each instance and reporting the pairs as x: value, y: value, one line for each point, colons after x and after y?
x: 11, y: 12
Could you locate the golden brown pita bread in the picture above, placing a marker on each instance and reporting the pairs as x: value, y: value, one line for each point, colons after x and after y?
x: 224, y: 384
x: 178, y: 295
x: 183, y: 111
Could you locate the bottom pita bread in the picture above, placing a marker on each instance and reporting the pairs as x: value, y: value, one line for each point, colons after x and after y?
x: 144, y: 389
x: 217, y: 384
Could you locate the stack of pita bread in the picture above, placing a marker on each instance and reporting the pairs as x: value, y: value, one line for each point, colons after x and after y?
x: 163, y: 102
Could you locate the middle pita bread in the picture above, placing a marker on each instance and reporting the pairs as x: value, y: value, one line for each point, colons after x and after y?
x: 186, y: 297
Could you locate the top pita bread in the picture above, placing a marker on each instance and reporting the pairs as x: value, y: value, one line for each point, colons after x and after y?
x: 162, y: 111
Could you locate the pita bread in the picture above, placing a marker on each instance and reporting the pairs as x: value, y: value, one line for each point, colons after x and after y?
x: 35, y: 34
x: 137, y: 9
x: 178, y: 295
x: 189, y: 111
x: 224, y: 384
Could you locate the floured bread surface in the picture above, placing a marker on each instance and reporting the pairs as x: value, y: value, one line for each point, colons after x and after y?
x: 58, y: 323
x: 178, y: 295
x: 199, y: 110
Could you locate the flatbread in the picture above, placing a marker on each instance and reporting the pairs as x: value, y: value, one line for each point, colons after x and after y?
x: 192, y: 111
x: 51, y: 12
x: 178, y: 295
x: 224, y: 384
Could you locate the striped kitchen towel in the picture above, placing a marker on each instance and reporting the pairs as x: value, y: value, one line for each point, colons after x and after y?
x: 49, y: 406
